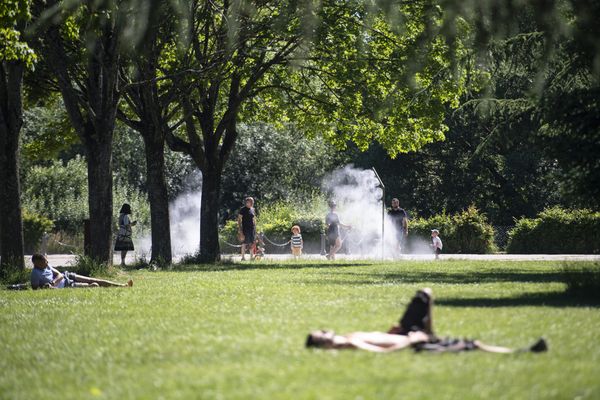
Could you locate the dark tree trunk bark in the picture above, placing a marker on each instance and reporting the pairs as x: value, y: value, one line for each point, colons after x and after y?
x: 100, y: 200
x: 209, y: 215
x: 158, y: 196
x: 11, y: 120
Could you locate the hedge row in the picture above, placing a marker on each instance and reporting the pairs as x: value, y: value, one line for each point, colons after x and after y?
x: 467, y: 232
x: 557, y: 231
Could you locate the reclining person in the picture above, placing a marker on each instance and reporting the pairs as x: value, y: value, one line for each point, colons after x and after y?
x: 414, y: 330
x: 44, y: 276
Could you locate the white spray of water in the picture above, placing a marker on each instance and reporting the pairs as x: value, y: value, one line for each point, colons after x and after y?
x: 358, y: 195
x: 184, y: 214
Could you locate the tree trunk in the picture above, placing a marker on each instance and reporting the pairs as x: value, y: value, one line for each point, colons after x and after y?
x: 100, y: 198
x: 11, y: 120
x: 209, y: 215
x: 158, y: 197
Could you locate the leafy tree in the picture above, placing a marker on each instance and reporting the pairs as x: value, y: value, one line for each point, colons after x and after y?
x: 275, y: 165
x: 351, y: 80
x: 15, y: 57
x: 81, y: 44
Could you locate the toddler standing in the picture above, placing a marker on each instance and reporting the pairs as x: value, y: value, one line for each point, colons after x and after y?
x: 296, y: 242
x: 436, y: 243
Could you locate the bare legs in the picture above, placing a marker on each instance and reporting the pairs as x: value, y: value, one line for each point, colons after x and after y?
x: 100, y: 282
x: 334, y: 249
x: 123, y: 255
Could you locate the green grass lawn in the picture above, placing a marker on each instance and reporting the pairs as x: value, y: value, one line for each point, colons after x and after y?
x: 237, y: 332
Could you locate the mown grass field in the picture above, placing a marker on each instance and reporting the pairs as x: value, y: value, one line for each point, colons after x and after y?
x: 237, y: 331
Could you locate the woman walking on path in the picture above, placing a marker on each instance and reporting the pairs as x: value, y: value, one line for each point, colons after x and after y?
x: 124, y: 242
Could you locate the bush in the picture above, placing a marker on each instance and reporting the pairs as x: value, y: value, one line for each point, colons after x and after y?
x: 557, y: 231
x: 61, y: 192
x: 34, y: 227
x: 467, y: 232
x: 87, y: 266
x: 276, y: 220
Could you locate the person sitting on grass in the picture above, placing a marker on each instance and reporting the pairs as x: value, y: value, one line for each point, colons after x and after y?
x: 44, y: 276
x: 414, y: 330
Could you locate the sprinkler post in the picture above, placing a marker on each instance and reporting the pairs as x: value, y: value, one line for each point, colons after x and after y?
x: 382, y: 186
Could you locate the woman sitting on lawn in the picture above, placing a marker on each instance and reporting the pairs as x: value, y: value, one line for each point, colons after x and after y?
x: 414, y: 330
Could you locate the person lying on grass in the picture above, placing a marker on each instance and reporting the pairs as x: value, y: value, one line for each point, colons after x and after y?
x: 44, y: 276
x: 414, y: 330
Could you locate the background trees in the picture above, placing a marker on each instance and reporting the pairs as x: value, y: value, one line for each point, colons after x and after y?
x: 387, y: 77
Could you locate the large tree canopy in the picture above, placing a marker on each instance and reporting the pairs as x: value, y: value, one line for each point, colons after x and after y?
x: 338, y: 70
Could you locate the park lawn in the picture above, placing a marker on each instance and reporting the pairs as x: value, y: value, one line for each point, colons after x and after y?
x: 237, y: 331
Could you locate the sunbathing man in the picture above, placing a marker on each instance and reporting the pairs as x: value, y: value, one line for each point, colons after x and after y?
x: 44, y: 276
x: 414, y: 330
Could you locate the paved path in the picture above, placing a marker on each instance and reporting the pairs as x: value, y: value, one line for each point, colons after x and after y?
x: 69, y: 259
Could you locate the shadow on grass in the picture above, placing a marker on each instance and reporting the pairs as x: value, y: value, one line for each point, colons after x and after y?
x: 453, y: 278
x: 236, y: 266
x: 548, y: 299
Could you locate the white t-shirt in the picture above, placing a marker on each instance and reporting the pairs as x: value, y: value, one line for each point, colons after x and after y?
x: 437, y: 242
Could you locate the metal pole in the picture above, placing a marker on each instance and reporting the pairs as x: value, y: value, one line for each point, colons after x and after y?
x: 382, y: 210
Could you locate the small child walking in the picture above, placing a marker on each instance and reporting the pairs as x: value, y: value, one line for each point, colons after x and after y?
x: 436, y: 243
x: 296, y: 242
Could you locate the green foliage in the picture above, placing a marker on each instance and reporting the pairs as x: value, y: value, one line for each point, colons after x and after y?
x: 275, y: 220
x: 13, y: 15
x: 467, y: 232
x: 13, y: 276
x: 362, y: 80
x: 87, y: 266
x: 34, y: 227
x: 47, y: 133
x: 60, y: 192
x: 275, y: 165
x: 557, y: 231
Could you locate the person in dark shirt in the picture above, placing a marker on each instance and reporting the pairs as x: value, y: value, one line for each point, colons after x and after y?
x: 399, y: 221
x: 332, y: 220
x: 247, y: 226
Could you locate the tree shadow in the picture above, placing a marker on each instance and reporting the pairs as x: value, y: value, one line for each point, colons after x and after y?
x: 257, y: 265
x: 546, y: 299
x: 491, y: 276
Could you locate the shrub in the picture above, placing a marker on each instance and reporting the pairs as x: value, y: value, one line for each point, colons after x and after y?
x: 557, y: 230
x: 34, y: 227
x: 466, y: 232
x: 87, y: 266
x: 61, y: 192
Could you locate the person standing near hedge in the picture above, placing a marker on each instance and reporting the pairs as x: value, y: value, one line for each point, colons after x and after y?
x: 247, y: 226
x: 124, y: 242
x: 436, y: 243
x: 399, y: 221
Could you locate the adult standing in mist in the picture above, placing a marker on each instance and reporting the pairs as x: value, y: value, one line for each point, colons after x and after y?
x: 247, y: 226
x: 399, y: 221
x: 333, y: 230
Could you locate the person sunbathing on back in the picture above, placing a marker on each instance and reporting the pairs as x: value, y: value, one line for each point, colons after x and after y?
x: 415, y: 329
